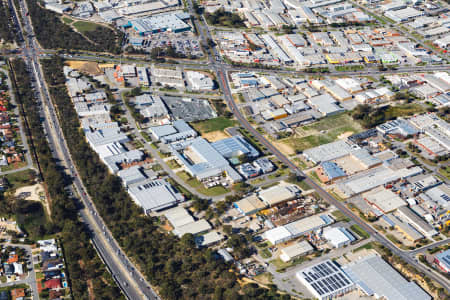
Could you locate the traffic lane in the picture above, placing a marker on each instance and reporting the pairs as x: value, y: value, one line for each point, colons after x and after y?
x: 115, y: 271
x: 66, y: 159
x: 36, y: 71
x: 112, y: 265
x: 146, y: 289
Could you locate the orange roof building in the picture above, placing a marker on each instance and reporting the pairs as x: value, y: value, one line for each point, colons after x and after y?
x: 17, y: 294
x: 12, y: 259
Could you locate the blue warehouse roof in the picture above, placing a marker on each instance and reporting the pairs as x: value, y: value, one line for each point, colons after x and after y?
x: 235, y: 146
x: 444, y: 257
x: 332, y: 170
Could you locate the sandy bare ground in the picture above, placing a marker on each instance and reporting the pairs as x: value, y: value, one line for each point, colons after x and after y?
x: 300, y: 132
x: 36, y: 190
x: 345, y: 135
x: 283, y: 148
x: 89, y: 67
x: 8, y: 225
x: 214, y: 136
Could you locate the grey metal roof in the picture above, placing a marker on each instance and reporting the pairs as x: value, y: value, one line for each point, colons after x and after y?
x: 383, y: 280
x: 154, y: 194
x: 127, y: 157
x: 106, y: 136
x: 212, y: 162
x: 235, y: 146
x: 131, y: 175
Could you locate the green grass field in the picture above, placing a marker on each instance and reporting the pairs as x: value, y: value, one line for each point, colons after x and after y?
x: 404, y: 110
x: 445, y: 171
x: 339, y: 216
x: 359, y: 231
x: 19, y: 179
x: 173, y: 164
x: 265, y: 253
x: 193, y: 182
x: 216, y: 124
x: 14, y: 166
x: 282, y: 266
x: 349, y: 68
x: 367, y: 246
x: 322, y: 132
x: 67, y: 20
x: 83, y: 26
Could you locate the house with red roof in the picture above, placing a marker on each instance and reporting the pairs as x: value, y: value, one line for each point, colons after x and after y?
x: 53, y: 284
x: 18, y: 294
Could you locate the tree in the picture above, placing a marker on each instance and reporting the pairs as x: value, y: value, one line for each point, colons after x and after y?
x: 227, y: 229
x: 188, y: 240
x: 200, y: 204
x: 211, y: 43
x: 136, y: 92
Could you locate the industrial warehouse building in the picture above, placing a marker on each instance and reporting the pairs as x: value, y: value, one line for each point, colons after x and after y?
x: 329, y: 171
x: 279, y: 194
x: 443, y: 260
x: 374, y: 178
x: 154, y: 195
x: 249, y: 205
x: 203, y: 161
x: 406, y: 214
x: 325, y: 280
x: 105, y: 136
x: 199, y: 81
x: 173, y: 22
x: 183, y: 223
x: 235, y: 146
x: 383, y: 199
x: 377, y: 278
x: 298, y: 249
x: 195, y: 228
x: 114, y: 161
x: 295, y: 229
x: 338, y: 236
x: 178, y: 131
x: 131, y: 175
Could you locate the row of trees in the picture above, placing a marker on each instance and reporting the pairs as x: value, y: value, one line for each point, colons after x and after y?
x: 7, y: 28
x: 175, y: 266
x: 83, y: 265
x: 52, y: 33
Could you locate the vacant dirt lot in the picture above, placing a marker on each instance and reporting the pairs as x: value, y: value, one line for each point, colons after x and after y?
x: 284, y: 148
x: 214, y: 136
x: 89, y: 67
x: 36, y: 191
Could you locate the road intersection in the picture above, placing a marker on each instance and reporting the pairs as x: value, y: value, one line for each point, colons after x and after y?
x: 126, y: 275
x: 222, y: 75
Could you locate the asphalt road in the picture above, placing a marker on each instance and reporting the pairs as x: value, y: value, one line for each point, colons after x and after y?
x: 222, y: 75
x: 128, y: 278
x: 347, y: 212
x: 154, y: 153
x: 106, y: 248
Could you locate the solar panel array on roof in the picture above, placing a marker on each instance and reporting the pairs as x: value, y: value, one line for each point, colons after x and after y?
x: 325, y: 280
